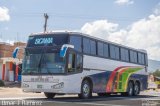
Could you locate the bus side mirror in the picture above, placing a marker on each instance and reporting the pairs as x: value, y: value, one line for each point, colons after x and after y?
x: 15, y: 52
x: 64, y: 49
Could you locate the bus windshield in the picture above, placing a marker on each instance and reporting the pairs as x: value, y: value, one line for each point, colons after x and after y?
x: 43, y: 63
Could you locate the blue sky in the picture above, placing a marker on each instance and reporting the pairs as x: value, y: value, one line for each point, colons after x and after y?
x: 26, y: 16
x: 129, y: 22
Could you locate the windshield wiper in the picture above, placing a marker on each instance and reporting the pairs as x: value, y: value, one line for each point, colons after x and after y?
x: 40, y: 62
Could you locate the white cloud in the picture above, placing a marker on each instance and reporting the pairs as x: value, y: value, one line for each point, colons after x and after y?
x: 143, y: 34
x: 4, y: 14
x: 11, y: 42
x: 99, y: 28
x: 124, y: 2
x: 118, y: 37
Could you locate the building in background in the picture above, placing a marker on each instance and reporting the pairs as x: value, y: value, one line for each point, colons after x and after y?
x: 10, y: 68
x: 6, y: 49
x: 157, y: 81
x: 153, y: 82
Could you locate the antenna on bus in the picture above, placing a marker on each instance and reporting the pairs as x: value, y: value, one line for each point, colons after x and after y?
x: 46, y: 18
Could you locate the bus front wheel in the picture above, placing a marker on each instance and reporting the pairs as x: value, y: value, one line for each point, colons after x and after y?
x: 86, y: 90
x: 49, y: 95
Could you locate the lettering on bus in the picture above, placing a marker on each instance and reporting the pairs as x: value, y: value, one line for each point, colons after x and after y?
x: 39, y: 41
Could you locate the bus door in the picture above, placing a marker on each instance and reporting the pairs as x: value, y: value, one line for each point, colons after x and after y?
x: 74, y: 62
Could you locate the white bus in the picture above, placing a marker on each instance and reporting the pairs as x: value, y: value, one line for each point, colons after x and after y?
x: 76, y: 63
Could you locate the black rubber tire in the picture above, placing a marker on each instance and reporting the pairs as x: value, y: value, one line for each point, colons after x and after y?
x: 86, y: 90
x: 49, y: 95
x: 130, y: 90
x: 136, y: 89
x: 103, y: 94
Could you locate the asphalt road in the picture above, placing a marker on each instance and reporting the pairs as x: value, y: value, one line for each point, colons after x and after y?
x: 15, y: 96
x: 73, y: 100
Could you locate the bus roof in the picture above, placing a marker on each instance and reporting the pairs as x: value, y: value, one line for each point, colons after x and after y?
x: 89, y: 36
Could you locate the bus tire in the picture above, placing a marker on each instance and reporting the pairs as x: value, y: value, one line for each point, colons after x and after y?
x: 136, y: 88
x: 130, y: 89
x: 86, y: 90
x: 49, y: 95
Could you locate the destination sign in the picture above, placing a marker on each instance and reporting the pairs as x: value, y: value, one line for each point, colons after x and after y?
x: 39, y: 41
x: 47, y: 40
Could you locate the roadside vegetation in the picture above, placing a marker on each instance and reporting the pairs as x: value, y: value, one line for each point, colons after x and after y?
x: 156, y: 73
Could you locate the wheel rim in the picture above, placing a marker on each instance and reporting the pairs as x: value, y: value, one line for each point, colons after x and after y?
x: 136, y: 89
x: 130, y: 89
x: 86, y: 90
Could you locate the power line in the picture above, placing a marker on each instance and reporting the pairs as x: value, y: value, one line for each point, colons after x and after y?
x: 76, y: 16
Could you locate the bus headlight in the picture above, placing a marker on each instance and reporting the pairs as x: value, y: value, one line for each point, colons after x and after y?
x: 25, y: 85
x: 58, y: 86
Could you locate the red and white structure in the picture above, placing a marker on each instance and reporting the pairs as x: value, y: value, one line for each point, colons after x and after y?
x: 9, y: 69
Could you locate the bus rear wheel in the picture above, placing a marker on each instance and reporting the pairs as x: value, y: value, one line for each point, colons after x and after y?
x: 86, y: 90
x: 49, y: 95
x: 136, y: 89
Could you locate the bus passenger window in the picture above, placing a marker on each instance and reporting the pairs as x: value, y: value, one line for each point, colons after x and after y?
x: 71, y: 62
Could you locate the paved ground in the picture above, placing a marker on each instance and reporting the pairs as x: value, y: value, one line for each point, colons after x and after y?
x: 15, y: 96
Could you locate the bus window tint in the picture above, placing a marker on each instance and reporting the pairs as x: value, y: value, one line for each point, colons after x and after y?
x: 100, y: 49
x: 114, y: 52
x: 71, y: 62
x: 133, y: 56
x: 141, y: 58
x: 146, y: 59
x: 124, y: 54
x: 76, y: 41
x: 105, y: 50
x: 52, y: 63
x: 86, y: 45
x: 93, y: 47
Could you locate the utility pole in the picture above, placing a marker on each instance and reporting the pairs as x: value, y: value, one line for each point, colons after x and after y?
x: 46, y: 18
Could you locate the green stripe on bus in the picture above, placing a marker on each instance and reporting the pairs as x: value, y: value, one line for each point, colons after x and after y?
x: 123, y: 80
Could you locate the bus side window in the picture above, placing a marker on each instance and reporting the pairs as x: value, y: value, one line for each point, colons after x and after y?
x: 71, y: 62
x: 79, y: 63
